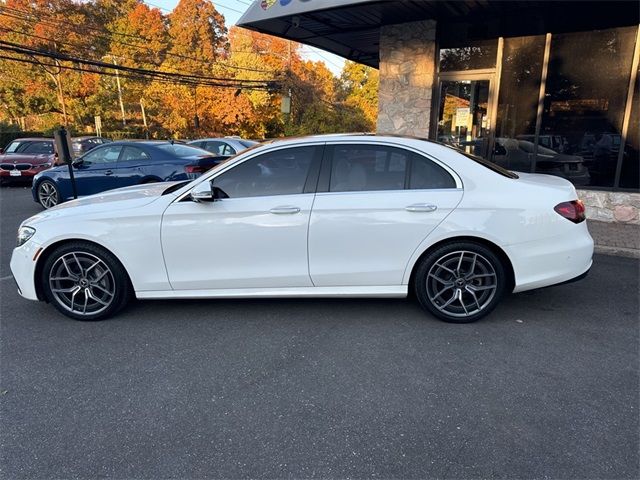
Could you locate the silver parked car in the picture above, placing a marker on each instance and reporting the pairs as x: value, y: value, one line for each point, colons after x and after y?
x: 226, y: 146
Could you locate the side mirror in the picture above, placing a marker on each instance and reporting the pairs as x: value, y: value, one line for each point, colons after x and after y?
x: 77, y: 162
x: 203, y: 192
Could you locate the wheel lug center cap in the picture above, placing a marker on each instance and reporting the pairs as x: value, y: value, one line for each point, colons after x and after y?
x: 84, y: 282
x: 460, y: 282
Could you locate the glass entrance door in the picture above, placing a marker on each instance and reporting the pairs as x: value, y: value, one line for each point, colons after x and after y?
x: 464, y: 115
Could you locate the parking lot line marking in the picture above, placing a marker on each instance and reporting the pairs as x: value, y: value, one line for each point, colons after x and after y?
x: 6, y: 278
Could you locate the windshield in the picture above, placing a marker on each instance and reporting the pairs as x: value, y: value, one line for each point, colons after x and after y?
x: 13, y: 146
x: 180, y: 150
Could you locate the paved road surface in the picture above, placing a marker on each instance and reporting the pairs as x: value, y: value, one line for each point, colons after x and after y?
x: 547, y: 387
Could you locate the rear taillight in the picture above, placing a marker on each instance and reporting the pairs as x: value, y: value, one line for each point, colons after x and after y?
x: 573, y: 210
x: 194, y: 169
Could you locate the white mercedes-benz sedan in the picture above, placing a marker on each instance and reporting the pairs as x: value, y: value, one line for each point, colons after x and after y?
x: 327, y: 216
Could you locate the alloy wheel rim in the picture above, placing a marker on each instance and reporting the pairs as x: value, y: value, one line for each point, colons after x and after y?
x: 461, y: 283
x: 82, y: 283
x: 48, y: 195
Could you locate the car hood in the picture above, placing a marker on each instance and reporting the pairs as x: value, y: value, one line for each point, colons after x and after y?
x: 33, y: 159
x: 105, y: 203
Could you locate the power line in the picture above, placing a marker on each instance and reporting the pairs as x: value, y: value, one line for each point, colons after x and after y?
x: 139, y: 47
x: 155, y: 74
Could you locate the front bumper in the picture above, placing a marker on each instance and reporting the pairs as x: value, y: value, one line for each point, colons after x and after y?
x: 23, y: 267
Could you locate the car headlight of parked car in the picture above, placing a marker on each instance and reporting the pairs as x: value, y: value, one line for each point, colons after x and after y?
x: 24, y: 234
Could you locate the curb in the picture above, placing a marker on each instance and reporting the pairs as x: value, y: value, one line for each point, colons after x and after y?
x: 617, y: 251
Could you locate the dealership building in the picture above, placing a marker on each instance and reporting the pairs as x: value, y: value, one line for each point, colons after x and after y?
x: 535, y: 86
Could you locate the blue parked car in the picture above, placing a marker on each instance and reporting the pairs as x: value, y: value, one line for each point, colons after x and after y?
x: 121, y: 164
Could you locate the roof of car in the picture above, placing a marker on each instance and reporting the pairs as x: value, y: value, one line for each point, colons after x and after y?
x: 32, y: 139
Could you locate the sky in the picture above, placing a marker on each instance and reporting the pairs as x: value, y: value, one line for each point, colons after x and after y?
x: 233, y: 10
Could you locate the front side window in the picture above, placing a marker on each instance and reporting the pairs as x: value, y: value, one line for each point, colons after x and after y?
x: 283, y: 172
x: 102, y: 155
x: 356, y: 168
x: 133, y: 153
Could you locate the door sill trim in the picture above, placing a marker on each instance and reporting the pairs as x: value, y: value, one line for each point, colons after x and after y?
x: 395, y: 291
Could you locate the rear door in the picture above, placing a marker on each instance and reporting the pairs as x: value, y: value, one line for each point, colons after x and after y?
x: 375, y: 204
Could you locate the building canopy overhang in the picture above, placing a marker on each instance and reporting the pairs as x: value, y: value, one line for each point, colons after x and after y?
x: 351, y: 28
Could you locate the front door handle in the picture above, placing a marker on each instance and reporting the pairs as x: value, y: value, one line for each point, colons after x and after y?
x: 109, y: 172
x: 421, y: 207
x: 285, y: 210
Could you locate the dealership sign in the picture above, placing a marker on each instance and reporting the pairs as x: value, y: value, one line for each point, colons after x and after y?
x: 267, y: 9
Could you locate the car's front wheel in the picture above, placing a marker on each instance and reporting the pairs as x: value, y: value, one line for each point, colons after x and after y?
x: 460, y: 282
x: 85, y: 282
x: 48, y: 194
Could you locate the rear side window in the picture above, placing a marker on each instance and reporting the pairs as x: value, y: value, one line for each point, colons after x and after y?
x: 426, y: 174
x: 357, y: 168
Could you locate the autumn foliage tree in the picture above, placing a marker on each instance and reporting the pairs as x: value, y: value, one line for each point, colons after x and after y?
x: 191, y: 40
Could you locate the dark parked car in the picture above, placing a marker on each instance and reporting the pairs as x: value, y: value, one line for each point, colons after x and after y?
x: 121, y: 164
x: 82, y: 145
x: 24, y: 157
x: 518, y: 155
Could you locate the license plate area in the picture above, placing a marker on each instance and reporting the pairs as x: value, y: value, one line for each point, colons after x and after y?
x: 15, y: 173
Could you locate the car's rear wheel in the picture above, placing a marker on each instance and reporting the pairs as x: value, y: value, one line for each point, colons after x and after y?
x: 48, y: 194
x: 85, y: 282
x: 460, y: 282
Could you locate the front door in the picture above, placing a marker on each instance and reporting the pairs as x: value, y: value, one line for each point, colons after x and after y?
x: 464, y: 118
x: 255, y: 234
x: 96, y: 171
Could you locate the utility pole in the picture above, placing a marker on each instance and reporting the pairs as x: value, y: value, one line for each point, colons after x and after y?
x: 144, y: 120
x: 124, y: 119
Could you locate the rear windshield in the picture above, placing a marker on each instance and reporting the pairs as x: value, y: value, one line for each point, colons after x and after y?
x: 180, y: 150
x: 485, y: 163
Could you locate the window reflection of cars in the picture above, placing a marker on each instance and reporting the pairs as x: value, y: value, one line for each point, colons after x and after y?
x: 518, y: 155
x: 557, y: 143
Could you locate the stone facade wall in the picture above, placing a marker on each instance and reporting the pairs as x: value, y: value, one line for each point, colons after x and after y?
x: 407, y: 77
x: 618, y: 207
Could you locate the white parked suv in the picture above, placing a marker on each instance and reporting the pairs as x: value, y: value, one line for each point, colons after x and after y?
x: 325, y: 216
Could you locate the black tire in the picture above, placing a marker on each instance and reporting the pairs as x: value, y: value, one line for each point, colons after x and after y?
x: 460, y: 282
x: 81, y: 267
x: 48, y: 194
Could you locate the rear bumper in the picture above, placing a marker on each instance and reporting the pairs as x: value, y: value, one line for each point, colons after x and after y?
x: 551, y: 261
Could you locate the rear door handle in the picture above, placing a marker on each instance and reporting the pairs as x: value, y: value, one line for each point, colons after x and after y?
x: 109, y: 172
x: 421, y: 207
x: 285, y: 210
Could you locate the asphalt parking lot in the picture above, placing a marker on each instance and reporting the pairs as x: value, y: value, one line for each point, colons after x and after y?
x: 546, y: 387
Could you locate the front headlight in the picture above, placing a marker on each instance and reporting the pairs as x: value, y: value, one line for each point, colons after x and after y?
x: 24, y: 234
